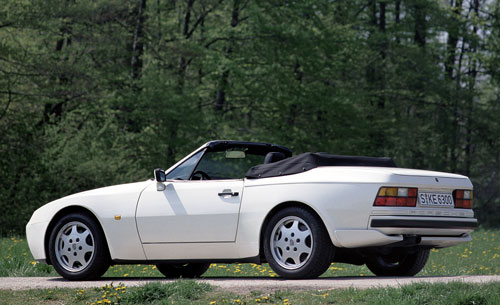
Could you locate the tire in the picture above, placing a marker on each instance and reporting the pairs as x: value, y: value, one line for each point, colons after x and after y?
x: 77, y: 248
x: 297, y: 245
x: 402, y: 264
x: 190, y: 270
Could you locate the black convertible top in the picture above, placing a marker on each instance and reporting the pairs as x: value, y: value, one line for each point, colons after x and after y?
x: 308, y: 161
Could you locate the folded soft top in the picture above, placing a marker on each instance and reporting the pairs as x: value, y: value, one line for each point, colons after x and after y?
x: 308, y: 161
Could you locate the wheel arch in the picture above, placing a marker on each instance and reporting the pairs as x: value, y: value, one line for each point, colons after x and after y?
x: 61, y: 213
x: 280, y: 207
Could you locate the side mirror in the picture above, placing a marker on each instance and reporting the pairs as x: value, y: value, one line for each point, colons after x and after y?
x: 160, y: 175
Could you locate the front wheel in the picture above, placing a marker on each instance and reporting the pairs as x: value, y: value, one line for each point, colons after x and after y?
x: 190, y: 270
x: 296, y: 244
x: 406, y: 263
x: 77, y: 248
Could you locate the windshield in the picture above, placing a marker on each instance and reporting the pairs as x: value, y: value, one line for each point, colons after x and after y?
x: 183, y: 171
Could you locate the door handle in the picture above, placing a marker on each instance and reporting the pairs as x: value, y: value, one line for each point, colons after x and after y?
x: 228, y: 193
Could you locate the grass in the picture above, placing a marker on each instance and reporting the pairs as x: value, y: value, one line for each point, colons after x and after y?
x: 191, y: 292
x: 480, y: 256
x: 178, y: 292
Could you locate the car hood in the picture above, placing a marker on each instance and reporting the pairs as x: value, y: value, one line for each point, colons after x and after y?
x: 128, y: 188
x: 91, y: 199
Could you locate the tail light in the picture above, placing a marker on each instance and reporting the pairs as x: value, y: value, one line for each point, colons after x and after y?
x: 463, y: 199
x: 396, y: 196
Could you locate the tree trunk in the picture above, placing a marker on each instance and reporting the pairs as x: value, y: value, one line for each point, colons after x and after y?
x: 181, y: 72
x: 138, y: 42
x: 220, y: 95
x: 370, y: 69
x: 452, y: 41
x: 383, y: 55
x: 473, y: 71
x: 397, y: 16
x: 454, y: 96
x: 420, y: 25
x: 56, y: 109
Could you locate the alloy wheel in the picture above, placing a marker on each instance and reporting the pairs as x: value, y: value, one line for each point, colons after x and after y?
x: 291, y: 242
x: 74, y: 246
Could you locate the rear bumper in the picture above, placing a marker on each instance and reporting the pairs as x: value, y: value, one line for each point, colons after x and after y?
x: 438, y: 232
x: 467, y: 224
x: 419, y: 225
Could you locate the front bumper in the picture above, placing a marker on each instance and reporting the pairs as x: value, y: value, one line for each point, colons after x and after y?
x: 35, y: 234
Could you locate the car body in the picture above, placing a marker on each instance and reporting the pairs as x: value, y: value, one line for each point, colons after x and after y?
x: 233, y: 201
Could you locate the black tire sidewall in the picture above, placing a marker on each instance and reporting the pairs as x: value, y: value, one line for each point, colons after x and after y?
x: 190, y: 270
x: 169, y: 271
x: 412, y: 264
x: 322, y: 250
x: 100, y: 260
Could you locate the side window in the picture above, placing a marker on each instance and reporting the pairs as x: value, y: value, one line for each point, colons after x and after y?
x: 183, y: 171
x: 219, y: 165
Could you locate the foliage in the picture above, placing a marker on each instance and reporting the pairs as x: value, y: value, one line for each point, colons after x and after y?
x: 94, y: 93
x: 178, y: 291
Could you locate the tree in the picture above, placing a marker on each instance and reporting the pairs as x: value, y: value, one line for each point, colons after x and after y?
x: 94, y: 93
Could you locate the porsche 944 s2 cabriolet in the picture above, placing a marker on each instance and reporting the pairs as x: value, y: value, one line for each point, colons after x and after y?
x: 232, y: 201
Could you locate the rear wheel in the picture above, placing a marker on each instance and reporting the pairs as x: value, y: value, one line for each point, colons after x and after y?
x: 399, y: 264
x: 189, y: 270
x: 77, y: 248
x: 296, y: 244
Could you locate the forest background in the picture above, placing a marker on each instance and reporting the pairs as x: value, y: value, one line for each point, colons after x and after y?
x: 100, y: 92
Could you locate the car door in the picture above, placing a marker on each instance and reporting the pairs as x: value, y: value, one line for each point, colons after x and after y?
x: 187, y: 211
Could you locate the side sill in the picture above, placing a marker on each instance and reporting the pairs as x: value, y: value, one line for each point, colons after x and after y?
x: 254, y: 259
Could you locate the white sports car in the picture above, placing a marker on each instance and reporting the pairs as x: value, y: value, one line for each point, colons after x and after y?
x: 231, y: 201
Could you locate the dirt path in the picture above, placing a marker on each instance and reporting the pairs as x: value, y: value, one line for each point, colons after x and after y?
x: 244, y: 285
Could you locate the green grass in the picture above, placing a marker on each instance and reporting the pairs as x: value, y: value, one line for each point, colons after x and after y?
x: 480, y: 256
x: 191, y: 292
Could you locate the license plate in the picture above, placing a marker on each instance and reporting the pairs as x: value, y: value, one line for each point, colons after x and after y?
x: 435, y: 199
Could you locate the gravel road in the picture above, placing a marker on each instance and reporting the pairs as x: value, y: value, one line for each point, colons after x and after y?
x: 245, y: 285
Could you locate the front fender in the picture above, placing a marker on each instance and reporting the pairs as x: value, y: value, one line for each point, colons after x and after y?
x: 106, y: 203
